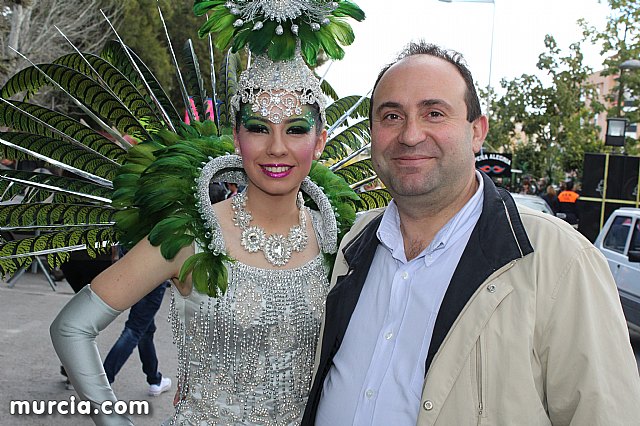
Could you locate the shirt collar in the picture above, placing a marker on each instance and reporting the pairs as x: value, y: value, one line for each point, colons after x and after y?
x: 390, y: 236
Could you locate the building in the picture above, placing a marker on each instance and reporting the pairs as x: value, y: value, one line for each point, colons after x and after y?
x: 606, y: 85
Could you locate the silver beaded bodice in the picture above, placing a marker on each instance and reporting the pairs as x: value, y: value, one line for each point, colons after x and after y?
x: 247, y: 356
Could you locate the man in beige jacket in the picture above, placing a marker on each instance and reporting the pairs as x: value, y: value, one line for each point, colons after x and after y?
x: 450, y: 306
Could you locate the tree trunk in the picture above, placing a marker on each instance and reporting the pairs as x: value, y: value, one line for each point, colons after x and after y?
x: 17, y: 18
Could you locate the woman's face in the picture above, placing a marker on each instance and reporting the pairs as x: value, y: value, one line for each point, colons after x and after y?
x: 277, y: 157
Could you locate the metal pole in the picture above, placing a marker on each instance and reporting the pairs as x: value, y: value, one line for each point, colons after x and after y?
x: 493, y: 22
x: 620, y: 92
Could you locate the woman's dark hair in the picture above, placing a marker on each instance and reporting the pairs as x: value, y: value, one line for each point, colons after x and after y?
x: 471, y: 99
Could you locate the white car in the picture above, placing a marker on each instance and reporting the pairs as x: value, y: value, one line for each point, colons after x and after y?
x: 619, y: 241
x: 533, y: 202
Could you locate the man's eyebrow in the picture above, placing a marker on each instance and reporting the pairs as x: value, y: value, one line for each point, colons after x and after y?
x: 388, y: 104
x: 423, y: 103
x: 432, y: 102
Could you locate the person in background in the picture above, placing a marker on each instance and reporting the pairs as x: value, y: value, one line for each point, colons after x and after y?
x: 567, y: 200
x: 451, y: 307
x: 551, y: 198
x: 139, y: 330
x: 232, y: 189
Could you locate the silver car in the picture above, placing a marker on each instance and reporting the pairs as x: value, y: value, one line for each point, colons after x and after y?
x: 619, y: 241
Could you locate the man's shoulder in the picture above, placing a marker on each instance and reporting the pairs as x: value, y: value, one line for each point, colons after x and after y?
x: 364, y: 218
x: 546, y: 230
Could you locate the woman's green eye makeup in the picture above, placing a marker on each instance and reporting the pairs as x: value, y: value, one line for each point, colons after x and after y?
x: 248, y: 119
x: 297, y: 124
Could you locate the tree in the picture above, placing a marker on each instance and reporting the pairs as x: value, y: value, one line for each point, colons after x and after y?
x: 553, y: 118
x: 620, y: 40
x: 141, y: 29
x: 29, y: 26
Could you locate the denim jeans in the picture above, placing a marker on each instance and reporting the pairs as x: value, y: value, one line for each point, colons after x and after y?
x: 138, y: 331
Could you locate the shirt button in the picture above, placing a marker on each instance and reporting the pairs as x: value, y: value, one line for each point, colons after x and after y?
x: 405, y: 275
x: 369, y: 393
x: 491, y: 288
x: 427, y: 405
x: 388, y: 335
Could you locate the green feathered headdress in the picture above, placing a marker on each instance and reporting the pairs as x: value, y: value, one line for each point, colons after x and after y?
x: 273, y: 28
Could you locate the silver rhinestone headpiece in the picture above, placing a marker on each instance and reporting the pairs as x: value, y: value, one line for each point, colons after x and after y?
x: 279, y: 89
x: 315, y: 11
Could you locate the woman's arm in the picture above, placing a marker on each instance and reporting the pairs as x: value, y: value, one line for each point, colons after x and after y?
x: 74, y: 330
x: 136, y: 274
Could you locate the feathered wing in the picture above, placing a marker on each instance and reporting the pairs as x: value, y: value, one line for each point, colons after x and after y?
x: 193, y: 80
x: 114, y: 192
x: 49, y: 214
x: 155, y: 95
x: 347, y: 150
x: 227, y: 85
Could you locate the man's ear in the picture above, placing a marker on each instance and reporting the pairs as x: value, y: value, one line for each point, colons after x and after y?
x: 480, y: 128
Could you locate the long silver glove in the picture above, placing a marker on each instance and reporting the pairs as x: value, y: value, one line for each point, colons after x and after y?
x: 73, y: 334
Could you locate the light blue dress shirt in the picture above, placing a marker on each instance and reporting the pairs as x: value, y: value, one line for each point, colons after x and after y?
x: 378, y: 372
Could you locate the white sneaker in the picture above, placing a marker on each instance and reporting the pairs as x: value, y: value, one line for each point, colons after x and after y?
x: 165, y: 385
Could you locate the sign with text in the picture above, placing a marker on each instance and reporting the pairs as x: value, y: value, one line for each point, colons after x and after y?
x: 494, y: 164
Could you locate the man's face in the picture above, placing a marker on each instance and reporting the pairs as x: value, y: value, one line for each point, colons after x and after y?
x: 422, y: 142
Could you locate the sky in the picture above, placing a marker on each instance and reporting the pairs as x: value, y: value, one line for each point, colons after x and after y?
x: 518, y: 36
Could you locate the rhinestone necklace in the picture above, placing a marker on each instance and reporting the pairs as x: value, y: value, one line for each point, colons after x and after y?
x: 277, y: 248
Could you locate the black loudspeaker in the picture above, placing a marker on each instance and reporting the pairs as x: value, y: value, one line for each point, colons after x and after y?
x: 630, y: 178
x: 593, y: 176
x: 615, y: 177
x: 622, y: 181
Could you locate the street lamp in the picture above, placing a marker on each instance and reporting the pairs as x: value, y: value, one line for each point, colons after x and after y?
x: 629, y: 64
x: 616, y: 129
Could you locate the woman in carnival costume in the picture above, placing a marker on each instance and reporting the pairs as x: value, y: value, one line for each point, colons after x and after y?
x: 250, y: 273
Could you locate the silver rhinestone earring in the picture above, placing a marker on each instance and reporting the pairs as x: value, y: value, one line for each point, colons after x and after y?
x: 237, y: 151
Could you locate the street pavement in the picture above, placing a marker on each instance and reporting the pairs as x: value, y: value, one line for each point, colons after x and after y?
x: 30, y: 369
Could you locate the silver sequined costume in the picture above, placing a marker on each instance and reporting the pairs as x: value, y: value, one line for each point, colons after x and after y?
x: 247, y: 357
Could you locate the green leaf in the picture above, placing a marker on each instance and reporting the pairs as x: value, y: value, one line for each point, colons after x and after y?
x: 59, y: 150
x: 20, y: 120
x: 97, y: 241
x: 117, y: 83
x: 328, y: 90
x: 40, y: 214
x: 347, y: 141
x: 374, y: 199
x: 59, y: 185
x: 338, y: 108
x: 115, y: 54
x: 356, y: 172
x: 82, y: 88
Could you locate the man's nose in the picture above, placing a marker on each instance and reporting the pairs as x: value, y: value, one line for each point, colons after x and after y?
x: 413, y: 132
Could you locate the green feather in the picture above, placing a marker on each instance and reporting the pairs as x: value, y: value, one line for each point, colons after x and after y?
x: 325, y: 35
x: 349, y: 9
x: 283, y: 47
